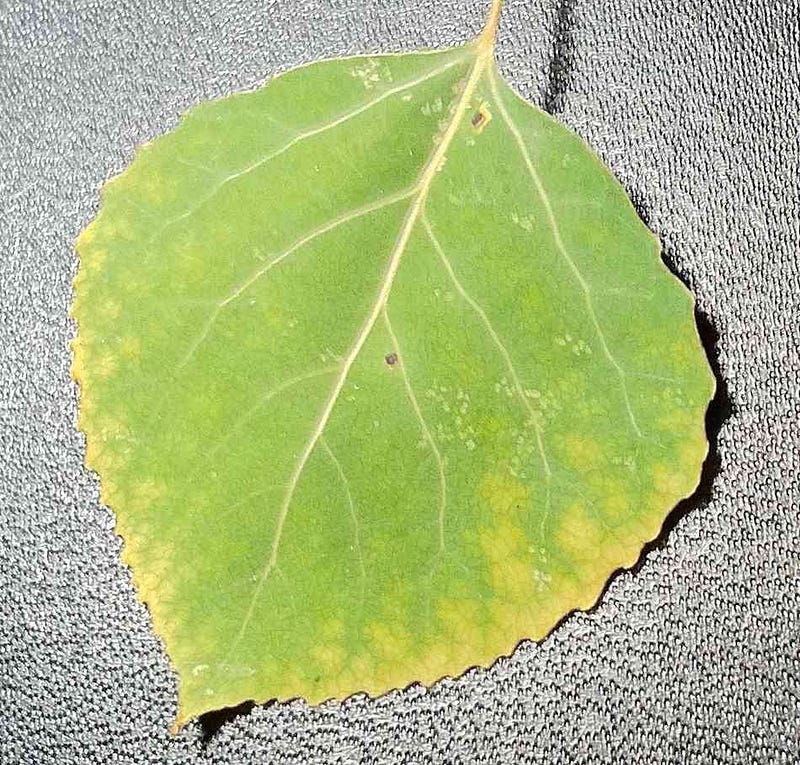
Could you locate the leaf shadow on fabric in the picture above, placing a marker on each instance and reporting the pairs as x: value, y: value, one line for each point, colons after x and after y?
x: 562, y: 58
x: 719, y: 411
x: 211, y: 722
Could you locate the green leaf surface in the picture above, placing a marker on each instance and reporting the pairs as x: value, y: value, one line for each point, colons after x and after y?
x: 381, y: 374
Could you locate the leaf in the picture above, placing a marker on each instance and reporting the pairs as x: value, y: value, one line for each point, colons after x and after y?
x: 381, y: 373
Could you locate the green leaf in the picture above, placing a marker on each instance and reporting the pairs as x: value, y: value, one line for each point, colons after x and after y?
x: 381, y: 373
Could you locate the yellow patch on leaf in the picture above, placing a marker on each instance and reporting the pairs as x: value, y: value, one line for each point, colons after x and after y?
x: 583, y: 454
x: 105, y: 364
x: 671, y: 483
x: 130, y: 348
x: 503, y: 494
x: 330, y: 658
x: 580, y: 537
x: 390, y: 641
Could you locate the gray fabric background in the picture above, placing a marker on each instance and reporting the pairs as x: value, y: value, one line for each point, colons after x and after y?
x: 693, y: 657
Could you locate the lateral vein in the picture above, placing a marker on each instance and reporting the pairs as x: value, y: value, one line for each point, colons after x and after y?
x: 353, y: 516
x: 359, y: 212
x: 305, y: 135
x: 559, y: 242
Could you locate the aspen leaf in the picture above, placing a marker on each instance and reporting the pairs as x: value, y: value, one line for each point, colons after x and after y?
x: 381, y: 373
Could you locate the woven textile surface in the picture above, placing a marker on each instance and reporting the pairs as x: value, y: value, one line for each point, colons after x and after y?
x: 693, y: 656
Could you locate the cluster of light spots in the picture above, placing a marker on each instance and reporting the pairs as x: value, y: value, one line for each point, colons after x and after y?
x: 535, y: 396
x: 468, y: 195
x: 447, y: 295
x: 371, y: 73
x: 431, y: 108
x: 351, y: 389
x: 454, y: 405
x: 539, y: 405
x: 327, y: 355
x: 525, y: 450
x: 525, y: 222
x: 236, y: 670
x: 504, y: 386
x: 578, y: 346
x: 626, y: 461
x: 541, y: 580
x: 672, y: 399
x: 102, y: 449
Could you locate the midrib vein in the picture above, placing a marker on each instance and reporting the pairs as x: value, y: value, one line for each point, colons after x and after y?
x: 483, y: 56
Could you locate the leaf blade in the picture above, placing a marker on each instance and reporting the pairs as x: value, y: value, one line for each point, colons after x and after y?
x: 469, y: 524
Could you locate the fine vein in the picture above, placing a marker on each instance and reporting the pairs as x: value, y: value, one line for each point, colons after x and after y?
x: 559, y: 242
x: 423, y: 425
x: 499, y: 344
x: 353, y: 517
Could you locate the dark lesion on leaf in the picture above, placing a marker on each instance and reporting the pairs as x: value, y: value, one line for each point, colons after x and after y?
x: 481, y: 118
x: 391, y: 359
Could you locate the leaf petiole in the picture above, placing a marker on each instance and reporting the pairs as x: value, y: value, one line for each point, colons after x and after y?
x: 487, y: 36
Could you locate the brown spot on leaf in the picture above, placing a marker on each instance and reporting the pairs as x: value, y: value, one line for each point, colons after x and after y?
x: 391, y: 359
x: 481, y: 118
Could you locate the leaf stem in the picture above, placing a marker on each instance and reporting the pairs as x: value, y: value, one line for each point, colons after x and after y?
x: 487, y: 36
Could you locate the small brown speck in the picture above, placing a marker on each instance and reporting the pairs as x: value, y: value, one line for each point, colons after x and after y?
x: 391, y: 359
x: 481, y: 118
